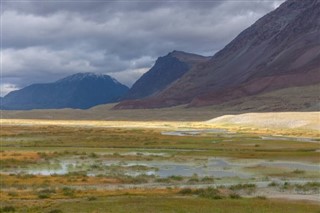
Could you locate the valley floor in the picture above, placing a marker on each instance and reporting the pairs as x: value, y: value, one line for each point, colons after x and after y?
x: 243, y: 162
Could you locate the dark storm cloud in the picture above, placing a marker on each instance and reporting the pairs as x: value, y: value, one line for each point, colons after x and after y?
x: 46, y: 40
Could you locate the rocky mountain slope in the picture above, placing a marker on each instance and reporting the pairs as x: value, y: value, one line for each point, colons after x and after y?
x: 289, y: 99
x: 166, y: 70
x: 80, y: 91
x: 280, y: 50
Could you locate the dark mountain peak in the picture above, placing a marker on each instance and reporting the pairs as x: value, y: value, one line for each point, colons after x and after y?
x: 80, y: 91
x: 87, y: 76
x: 187, y: 57
x: 177, y: 53
x: 166, y: 70
x: 280, y: 50
x: 299, y: 4
x: 267, y: 27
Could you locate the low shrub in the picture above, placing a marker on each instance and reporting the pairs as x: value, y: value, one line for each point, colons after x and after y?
x: 243, y: 186
x: 207, y: 179
x: 7, y: 209
x: 209, y: 193
x: 185, y: 191
x: 298, y: 171
x: 261, y: 197
x: 273, y: 184
x: 177, y: 178
x: 43, y: 196
x: 92, y: 198
x: 234, y: 196
x: 68, y: 191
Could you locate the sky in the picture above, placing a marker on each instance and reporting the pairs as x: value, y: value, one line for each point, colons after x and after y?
x: 45, y: 40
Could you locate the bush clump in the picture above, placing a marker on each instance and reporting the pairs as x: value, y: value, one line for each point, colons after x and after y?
x: 209, y: 193
x: 273, y: 184
x: 243, y: 186
x: 207, y: 179
x: 7, y: 209
x: 234, y: 196
x: 313, y: 187
x: 68, y: 191
x: 92, y: 198
x: 185, y: 191
x: 176, y: 178
x: 43, y: 196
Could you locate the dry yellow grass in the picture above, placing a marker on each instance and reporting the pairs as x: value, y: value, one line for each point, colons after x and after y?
x: 280, y: 120
x: 27, y: 155
x: 299, y: 124
x: 280, y: 123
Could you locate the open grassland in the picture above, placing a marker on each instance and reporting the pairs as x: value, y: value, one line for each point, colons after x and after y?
x: 298, y: 124
x: 166, y: 203
x: 52, y: 138
x: 104, y: 166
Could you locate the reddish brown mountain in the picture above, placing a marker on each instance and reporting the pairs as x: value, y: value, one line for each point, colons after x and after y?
x: 281, y: 50
x: 166, y: 70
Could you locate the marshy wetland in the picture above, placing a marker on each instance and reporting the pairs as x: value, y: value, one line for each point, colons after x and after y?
x: 56, y: 167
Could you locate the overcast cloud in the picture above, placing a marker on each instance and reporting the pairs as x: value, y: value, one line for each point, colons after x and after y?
x: 43, y: 41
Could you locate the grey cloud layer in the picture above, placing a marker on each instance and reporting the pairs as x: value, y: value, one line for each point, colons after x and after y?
x: 43, y: 41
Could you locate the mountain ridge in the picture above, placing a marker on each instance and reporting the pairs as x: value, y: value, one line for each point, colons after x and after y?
x: 79, y: 91
x: 281, y: 49
x: 166, y: 70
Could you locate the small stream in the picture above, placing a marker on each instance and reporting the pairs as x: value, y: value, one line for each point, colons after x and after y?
x: 194, y: 132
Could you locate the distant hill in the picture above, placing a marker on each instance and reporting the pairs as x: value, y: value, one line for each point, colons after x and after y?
x: 281, y: 50
x: 166, y: 70
x: 79, y: 91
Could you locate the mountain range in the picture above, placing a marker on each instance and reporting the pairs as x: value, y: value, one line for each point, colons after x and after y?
x: 165, y: 71
x: 279, y: 51
x: 80, y: 91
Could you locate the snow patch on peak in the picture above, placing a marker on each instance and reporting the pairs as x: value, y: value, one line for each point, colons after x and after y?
x: 86, y: 75
x: 114, y: 80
